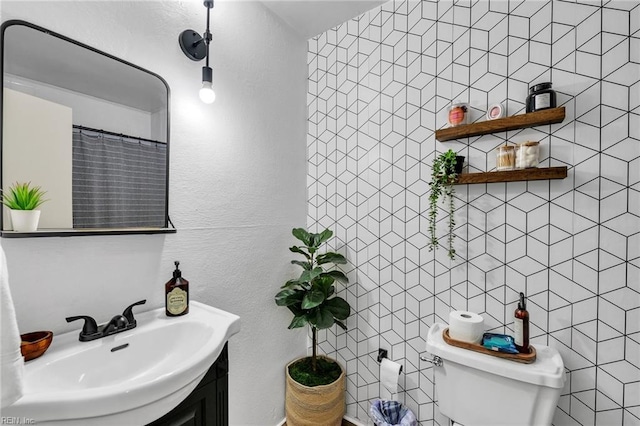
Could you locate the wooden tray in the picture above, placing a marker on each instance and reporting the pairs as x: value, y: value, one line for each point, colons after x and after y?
x: 523, y: 358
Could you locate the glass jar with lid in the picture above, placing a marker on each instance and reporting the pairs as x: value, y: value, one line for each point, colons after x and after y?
x: 527, y: 155
x: 506, y: 157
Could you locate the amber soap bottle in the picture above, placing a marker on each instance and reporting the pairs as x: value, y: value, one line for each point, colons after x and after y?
x: 521, y: 326
x: 176, y: 294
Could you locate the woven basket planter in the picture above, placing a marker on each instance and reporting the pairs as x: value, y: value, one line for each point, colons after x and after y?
x: 312, y: 406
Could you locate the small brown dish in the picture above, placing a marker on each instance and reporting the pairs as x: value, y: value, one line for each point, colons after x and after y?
x: 35, y: 344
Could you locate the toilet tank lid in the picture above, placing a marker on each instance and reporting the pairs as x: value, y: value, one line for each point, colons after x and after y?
x: 547, y: 370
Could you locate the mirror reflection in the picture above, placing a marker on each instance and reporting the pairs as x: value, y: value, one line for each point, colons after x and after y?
x: 89, y: 128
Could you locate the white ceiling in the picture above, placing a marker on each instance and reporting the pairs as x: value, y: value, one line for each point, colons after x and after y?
x: 312, y: 17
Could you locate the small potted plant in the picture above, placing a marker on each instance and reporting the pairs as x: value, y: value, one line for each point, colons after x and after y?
x: 444, y: 172
x: 315, y: 385
x: 22, y: 199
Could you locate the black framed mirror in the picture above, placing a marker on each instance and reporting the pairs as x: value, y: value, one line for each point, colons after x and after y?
x: 91, y: 129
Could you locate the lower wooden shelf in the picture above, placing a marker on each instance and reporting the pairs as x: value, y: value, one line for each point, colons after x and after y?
x: 513, y: 175
x: 527, y: 358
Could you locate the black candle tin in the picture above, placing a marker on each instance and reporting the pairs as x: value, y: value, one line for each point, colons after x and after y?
x: 541, y: 96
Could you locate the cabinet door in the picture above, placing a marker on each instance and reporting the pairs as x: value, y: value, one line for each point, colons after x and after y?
x: 186, y: 417
x: 208, y: 404
x: 197, y: 410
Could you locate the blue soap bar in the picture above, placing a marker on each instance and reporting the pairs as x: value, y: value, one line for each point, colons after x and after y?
x: 499, y: 343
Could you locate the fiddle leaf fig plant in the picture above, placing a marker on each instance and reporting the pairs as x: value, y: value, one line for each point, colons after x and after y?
x: 311, y: 297
x: 22, y: 196
x: 443, y: 176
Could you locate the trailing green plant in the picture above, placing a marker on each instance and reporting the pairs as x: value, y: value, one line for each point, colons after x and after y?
x: 22, y: 196
x: 443, y: 176
x: 311, y: 297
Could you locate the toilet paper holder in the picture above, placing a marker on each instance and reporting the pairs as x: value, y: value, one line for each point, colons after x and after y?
x: 383, y: 353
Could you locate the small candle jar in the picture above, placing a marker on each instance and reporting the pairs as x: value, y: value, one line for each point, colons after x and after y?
x: 457, y: 114
x: 527, y: 155
x: 541, y: 96
x: 506, y: 158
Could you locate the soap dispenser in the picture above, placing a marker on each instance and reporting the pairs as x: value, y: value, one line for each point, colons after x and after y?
x: 521, y: 326
x: 176, y: 294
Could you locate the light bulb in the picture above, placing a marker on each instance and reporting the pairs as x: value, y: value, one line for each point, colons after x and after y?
x: 207, y: 95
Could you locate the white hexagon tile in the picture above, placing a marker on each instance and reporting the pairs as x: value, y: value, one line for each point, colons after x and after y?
x: 380, y: 86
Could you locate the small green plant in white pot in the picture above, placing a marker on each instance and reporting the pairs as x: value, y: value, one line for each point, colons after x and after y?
x: 23, y: 201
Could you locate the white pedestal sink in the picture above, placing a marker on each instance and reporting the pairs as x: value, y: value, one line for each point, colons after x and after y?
x: 130, y: 378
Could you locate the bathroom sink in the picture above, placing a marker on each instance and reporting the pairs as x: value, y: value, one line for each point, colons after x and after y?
x: 130, y: 378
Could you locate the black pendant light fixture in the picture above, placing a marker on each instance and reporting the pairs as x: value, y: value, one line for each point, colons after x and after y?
x: 196, y: 48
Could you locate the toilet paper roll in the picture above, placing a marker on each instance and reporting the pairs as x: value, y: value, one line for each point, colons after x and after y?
x: 466, y: 326
x: 390, y: 374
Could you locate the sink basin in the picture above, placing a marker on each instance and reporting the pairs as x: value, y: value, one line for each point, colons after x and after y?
x: 133, y: 377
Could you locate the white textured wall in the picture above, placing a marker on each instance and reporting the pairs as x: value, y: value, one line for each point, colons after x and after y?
x: 238, y: 177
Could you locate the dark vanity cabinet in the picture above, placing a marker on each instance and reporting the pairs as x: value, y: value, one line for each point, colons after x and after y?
x: 208, y: 404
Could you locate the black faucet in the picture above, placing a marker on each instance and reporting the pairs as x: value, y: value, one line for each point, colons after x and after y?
x: 92, y: 331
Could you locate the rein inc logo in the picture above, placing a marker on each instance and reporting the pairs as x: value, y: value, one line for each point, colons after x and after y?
x: 4, y: 420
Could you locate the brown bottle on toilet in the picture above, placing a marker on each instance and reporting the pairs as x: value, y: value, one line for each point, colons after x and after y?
x: 521, y: 326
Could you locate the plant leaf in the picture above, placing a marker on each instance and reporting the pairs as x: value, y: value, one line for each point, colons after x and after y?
x: 336, y: 275
x: 324, y: 236
x: 295, y: 310
x: 313, y: 241
x: 312, y: 299
x: 338, y: 307
x: 305, y: 265
x: 290, y: 284
x: 298, y: 321
x: 302, y: 235
x: 289, y: 297
x: 323, y: 283
x: 297, y: 249
x: 324, y: 318
x: 23, y: 197
x: 341, y: 324
x: 331, y: 257
x: 308, y: 276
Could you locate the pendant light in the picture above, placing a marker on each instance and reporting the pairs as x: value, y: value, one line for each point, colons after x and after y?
x: 196, y: 48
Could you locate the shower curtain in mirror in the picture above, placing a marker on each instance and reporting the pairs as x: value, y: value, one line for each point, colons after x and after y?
x: 118, y: 181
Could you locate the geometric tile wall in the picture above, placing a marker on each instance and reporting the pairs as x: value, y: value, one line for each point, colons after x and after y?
x: 379, y: 86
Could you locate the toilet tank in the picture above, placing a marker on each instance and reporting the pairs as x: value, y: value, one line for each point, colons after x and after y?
x: 475, y: 389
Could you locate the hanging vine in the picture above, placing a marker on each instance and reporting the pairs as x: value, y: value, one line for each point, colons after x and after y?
x: 443, y: 176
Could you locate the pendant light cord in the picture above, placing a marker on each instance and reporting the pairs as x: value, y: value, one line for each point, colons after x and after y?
x: 207, y: 34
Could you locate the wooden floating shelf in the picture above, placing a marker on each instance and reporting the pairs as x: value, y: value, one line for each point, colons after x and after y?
x: 538, y: 118
x: 513, y: 175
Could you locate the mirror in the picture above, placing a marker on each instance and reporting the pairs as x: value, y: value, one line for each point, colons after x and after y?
x: 91, y: 129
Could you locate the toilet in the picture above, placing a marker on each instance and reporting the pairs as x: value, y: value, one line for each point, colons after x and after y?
x: 475, y: 389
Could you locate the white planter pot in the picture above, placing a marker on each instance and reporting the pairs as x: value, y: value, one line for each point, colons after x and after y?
x: 25, y: 220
